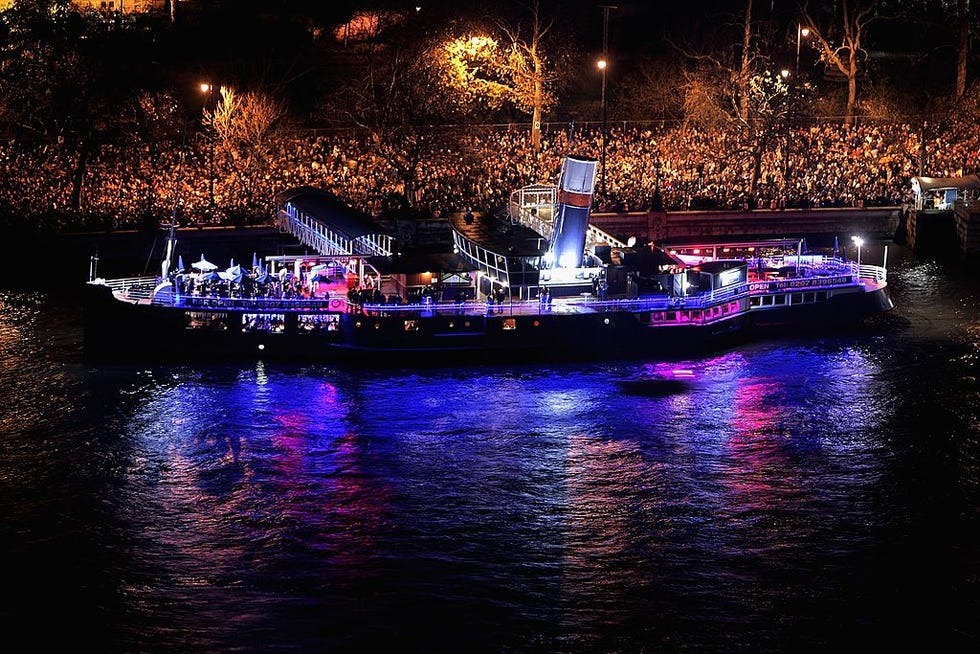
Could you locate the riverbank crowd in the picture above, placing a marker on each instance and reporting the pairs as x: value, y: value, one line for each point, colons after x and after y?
x: 132, y: 185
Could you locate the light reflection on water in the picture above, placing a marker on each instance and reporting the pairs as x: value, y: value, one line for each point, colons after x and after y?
x: 775, y: 496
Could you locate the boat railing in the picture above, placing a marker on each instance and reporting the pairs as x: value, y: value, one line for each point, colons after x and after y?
x: 132, y: 288
x: 335, y: 304
x: 877, y: 274
x: 586, y: 302
x: 125, y: 283
x: 823, y: 265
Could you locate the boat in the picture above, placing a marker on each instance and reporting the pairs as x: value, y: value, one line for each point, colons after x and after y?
x: 658, y: 383
x: 533, y: 282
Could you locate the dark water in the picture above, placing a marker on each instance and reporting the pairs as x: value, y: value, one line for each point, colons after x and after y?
x: 814, y: 494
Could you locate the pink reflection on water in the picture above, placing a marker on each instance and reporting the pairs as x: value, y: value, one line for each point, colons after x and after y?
x: 601, y: 520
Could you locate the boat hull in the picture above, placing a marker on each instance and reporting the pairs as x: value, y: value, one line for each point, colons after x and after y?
x: 117, y: 330
x: 124, y: 331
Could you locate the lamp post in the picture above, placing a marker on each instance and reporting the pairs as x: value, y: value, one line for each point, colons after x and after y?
x: 208, y: 90
x: 791, y: 87
x: 602, y: 63
x: 800, y: 33
x: 858, y: 242
x: 789, y: 135
x: 602, y: 68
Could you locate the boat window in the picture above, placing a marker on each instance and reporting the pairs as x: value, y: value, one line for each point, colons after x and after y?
x: 273, y: 323
x: 797, y: 298
x: 808, y: 297
x: 780, y: 299
x: 821, y: 296
x: 755, y: 301
x: 217, y: 321
x: 308, y: 324
x: 411, y: 325
x: 509, y: 324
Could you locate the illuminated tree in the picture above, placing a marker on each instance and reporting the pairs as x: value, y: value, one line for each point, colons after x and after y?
x: 510, y: 70
x: 756, y: 117
x: 248, y: 127
x: 765, y: 125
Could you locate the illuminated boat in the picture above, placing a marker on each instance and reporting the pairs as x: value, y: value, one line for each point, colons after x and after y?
x: 537, y: 283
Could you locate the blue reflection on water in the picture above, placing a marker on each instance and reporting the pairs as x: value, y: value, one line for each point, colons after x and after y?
x: 781, y: 491
x: 537, y: 497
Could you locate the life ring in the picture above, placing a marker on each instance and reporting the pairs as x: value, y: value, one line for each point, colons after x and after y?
x: 334, y: 304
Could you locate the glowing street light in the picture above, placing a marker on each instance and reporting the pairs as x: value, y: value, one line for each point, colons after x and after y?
x: 208, y: 90
x: 801, y: 32
x: 858, y: 242
x: 601, y: 64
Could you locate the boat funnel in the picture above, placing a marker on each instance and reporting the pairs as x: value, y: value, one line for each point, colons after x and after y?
x: 571, y: 223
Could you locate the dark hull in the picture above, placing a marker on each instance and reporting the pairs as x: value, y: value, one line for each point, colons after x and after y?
x: 125, y: 332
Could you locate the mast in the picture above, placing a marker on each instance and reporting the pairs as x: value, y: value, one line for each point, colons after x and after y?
x: 172, y: 236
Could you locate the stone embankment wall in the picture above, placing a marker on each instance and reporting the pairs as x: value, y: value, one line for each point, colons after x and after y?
x: 679, y: 226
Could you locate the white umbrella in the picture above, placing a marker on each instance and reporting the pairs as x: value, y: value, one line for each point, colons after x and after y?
x: 204, y: 265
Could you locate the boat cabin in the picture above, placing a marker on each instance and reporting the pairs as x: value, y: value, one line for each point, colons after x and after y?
x: 941, y: 193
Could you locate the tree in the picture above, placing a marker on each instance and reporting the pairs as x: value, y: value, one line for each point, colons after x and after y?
x: 652, y: 89
x: 510, y: 70
x: 399, y: 100
x: 248, y: 126
x: 745, y: 71
x: 44, y: 74
x: 841, y: 45
x: 766, y: 121
x: 962, y: 45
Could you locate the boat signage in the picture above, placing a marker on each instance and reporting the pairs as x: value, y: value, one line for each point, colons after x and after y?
x: 757, y: 287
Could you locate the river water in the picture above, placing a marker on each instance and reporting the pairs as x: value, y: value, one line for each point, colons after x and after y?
x: 796, y: 495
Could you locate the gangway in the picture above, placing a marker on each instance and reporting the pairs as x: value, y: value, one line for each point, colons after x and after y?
x: 323, y: 223
x: 534, y: 207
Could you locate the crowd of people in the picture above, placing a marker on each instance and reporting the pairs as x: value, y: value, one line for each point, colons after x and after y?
x: 129, y: 185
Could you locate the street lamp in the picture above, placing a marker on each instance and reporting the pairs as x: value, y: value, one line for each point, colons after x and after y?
x: 602, y: 68
x: 791, y: 87
x: 208, y: 90
x: 858, y: 242
x: 800, y: 33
